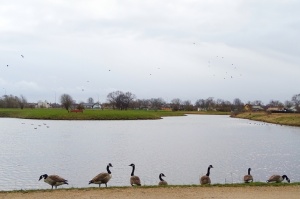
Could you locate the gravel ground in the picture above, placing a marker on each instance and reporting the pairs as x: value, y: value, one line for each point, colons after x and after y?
x: 291, y: 192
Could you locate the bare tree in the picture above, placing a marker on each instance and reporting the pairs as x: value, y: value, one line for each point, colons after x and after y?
x: 210, y: 104
x: 141, y: 104
x: 120, y: 100
x: 157, y: 103
x: 257, y: 103
x: 288, y: 104
x: 176, y: 104
x: 22, y: 101
x: 296, y: 101
x: 9, y: 101
x: 66, y: 101
x: 237, y: 104
x: 187, y: 105
x: 275, y: 103
x: 200, y: 103
x: 90, y: 100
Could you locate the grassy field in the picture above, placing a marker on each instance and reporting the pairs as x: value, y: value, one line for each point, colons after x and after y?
x: 291, y: 119
x: 62, y: 114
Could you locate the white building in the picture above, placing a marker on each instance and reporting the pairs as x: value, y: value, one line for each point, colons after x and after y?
x: 42, y: 104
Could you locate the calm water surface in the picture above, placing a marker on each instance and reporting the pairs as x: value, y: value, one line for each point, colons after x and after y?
x: 180, y: 147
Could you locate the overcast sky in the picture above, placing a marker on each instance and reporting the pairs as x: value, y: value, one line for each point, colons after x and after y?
x: 187, y: 49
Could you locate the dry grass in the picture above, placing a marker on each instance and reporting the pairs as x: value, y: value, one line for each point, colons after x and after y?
x: 291, y: 119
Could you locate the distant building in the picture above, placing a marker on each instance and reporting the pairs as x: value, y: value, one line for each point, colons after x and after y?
x: 249, y: 107
x: 292, y: 109
x: 42, y: 104
x: 92, y: 105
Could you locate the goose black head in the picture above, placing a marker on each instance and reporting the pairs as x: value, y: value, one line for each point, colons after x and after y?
x: 287, y: 179
x: 110, y: 165
x: 43, y: 176
x: 132, y: 165
x: 210, y: 166
x: 163, y: 175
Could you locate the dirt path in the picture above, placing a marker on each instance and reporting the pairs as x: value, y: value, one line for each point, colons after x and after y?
x: 291, y: 192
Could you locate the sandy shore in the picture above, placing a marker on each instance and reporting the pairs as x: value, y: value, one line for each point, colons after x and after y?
x: 291, y: 192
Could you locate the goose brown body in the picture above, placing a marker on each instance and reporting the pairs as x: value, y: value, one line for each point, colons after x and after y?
x: 53, y: 180
x: 162, y: 181
x: 102, y: 178
x: 248, y: 178
x: 134, y: 180
x: 206, y: 179
x: 278, y: 178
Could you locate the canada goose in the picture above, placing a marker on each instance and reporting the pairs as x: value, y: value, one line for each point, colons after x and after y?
x: 248, y: 178
x: 162, y: 181
x: 205, y: 179
x: 102, y: 178
x: 134, y: 180
x: 53, y: 180
x: 278, y: 178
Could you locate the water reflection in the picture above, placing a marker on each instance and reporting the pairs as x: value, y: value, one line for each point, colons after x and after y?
x: 180, y: 147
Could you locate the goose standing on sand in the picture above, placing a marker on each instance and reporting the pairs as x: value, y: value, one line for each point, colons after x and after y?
x: 53, y: 180
x: 248, y: 178
x: 134, y: 180
x: 278, y: 178
x: 206, y: 179
x: 162, y: 181
x: 102, y: 178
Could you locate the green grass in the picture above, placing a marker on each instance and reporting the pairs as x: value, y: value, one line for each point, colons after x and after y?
x: 62, y: 114
x: 254, y: 184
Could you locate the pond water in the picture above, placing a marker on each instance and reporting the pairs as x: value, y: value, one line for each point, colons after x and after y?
x: 180, y: 147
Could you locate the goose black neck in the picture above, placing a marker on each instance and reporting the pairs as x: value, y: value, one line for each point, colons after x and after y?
x: 160, y: 177
x: 208, y: 171
x: 249, y: 171
x: 285, y: 177
x: 133, y: 168
x: 107, y: 168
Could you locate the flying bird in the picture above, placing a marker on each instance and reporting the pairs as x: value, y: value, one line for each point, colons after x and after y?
x: 22, y: 56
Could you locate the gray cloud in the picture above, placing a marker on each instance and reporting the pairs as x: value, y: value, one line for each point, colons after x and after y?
x: 68, y: 43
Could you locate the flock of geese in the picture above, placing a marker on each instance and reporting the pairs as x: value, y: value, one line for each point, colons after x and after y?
x: 104, y: 177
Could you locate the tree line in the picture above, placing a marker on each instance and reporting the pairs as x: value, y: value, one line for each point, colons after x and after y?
x: 127, y: 100
x: 10, y: 101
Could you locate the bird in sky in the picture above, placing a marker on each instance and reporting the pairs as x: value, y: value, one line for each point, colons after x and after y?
x: 22, y: 56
